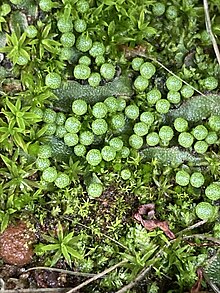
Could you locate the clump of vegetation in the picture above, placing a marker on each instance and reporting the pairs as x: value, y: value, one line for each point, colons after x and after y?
x: 109, y: 138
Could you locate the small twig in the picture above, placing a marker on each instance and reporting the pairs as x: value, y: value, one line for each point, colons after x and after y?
x: 98, y: 276
x: 136, y: 280
x: 196, y: 225
x: 209, y: 30
x: 60, y: 271
x: 203, y: 237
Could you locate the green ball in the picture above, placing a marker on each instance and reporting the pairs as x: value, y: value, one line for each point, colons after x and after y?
x: 108, y: 153
x: 136, y: 141
x: 147, y: 70
x: 125, y: 174
x: 132, y: 112
x: 147, y: 117
x: 173, y: 83
x: 82, y: 71
x: 180, y: 124
x: 187, y: 91
x: 185, y: 139
x: 116, y: 143
x: 141, y: 128
x: 99, y: 126
x: 118, y: 121
x: 49, y: 116
x: 94, y: 157
x: 211, y: 138
x: 210, y: 83
x: 49, y: 174
x: 171, y: 12
x: 83, y: 43
x: 44, y: 151
x: 125, y: 152
x: 95, y: 190
x: 162, y: 106
x: 182, y: 178
x: 60, y: 118
x: 42, y: 164
x: 99, y: 110
x: 200, y: 132
x: 121, y: 103
x: 62, y: 180
x: 112, y: 104
x: 71, y: 139
x: 53, y: 80
x: 141, y: 83
x: 204, y: 210
x: 97, y: 49
x: 51, y: 128
x: 136, y: 63
x: 214, y: 123
x: 79, y: 107
x: 80, y: 25
x: 94, y: 79
x: 67, y: 39
x: 212, y: 191
x: 61, y: 131
x: 85, y: 60
x: 152, y: 139
x: 158, y: 9
x: 31, y: 31
x: 153, y: 96
x: 72, y: 125
x: 107, y: 71
x: 201, y: 147
x: 79, y: 150
x: 173, y: 97
x: 64, y: 25
x: 166, y: 133
x: 197, y: 179
x: 86, y: 137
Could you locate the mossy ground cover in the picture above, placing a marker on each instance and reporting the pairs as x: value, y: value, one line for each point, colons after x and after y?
x: 109, y: 138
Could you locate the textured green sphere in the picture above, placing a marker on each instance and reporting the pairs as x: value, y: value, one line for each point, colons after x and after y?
x: 182, y: 178
x: 94, y: 157
x: 49, y: 174
x: 173, y: 83
x: 108, y: 153
x: 53, y: 80
x: 62, y: 180
x: 204, y: 210
x: 147, y: 70
x: 136, y: 141
x: 95, y: 190
x: 79, y: 107
x: 185, y: 139
x: 212, y: 191
x: 197, y: 179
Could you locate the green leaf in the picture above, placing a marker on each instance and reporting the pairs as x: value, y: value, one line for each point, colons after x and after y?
x: 20, y: 122
x: 19, y: 141
x: 55, y: 258
x: 73, y: 252
x: 141, y: 19
x: 6, y: 161
x: 50, y: 247
x: 111, y: 28
x: 66, y: 254
x: 60, y: 232
x: 11, y: 106
x: 4, y: 222
x: 46, y: 31
x: 68, y: 237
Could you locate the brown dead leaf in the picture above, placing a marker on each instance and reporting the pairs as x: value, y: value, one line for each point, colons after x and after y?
x: 196, y: 287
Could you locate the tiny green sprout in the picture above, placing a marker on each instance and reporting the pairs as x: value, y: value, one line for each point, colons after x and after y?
x: 197, y: 179
x: 210, y: 83
x: 107, y: 71
x: 64, y: 25
x: 95, y: 190
x: 44, y: 151
x: 82, y: 6
x: 153, y: 96
x: 42, y: 164
x: 173, y: 97
x: 147, y: 70
x: 82, y: 71
x: 99, y: 126
x: 180, y: 124
x: 60, y: 118
x: 97, y: 49
x: 72, y: 125
x: 118, y: 121
x: 212, y: 137
x: 158, y: 9
x: 99, y: 110
x: 94, y: 157
x: 212, y: 191
x: 62, y: 180
x: 83, y: 43
x: 125, y: 152
x: 79, y: 150
x: 86, y: 138
x: 173, y: 83
x: 171, y: 12
x: 51, y: 129
x: 204, y: 210
x: 136, y: 63
x: 49, y: 174
x: 79, y: 107
x: 136, y: 141
x: 60, y: 131
x: 68, y: 39
x: 116, y: 143
x: 71, y: 139
x: 166, y: 133
x: 31, y: 31
x: 94, y: 79
x: 112, y: 104
x: 132, y: 112
x: 162, y: 106
x: 182, y: 178
x: 141, y: 83
x: 187, y: 91
x: 85, y: 60
x: 49, y: 116
x: 200, y: 132
x: 125, y: 174
x: 214, y: 122
x: 140, y: 128
x: 152, y: 139
x: 201, y: 147
x: 45, y: 5
x: 53, y: 80
x: 185, y: 139
x: 80, y: 25
x: 108, y: 153
x: 147, y: 117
